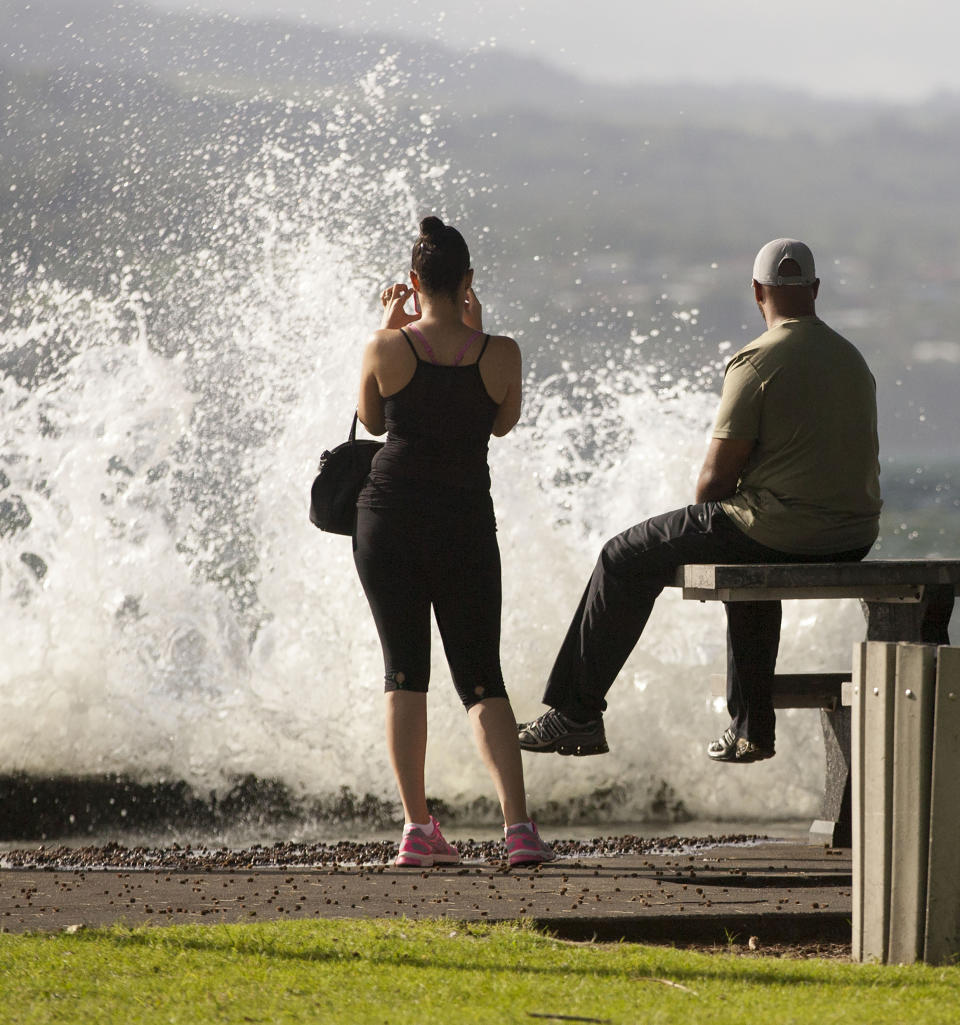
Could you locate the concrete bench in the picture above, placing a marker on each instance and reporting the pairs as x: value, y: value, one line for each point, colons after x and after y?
x: 907, y: 600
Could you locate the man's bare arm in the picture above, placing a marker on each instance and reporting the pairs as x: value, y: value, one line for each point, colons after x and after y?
x: 726, y: 458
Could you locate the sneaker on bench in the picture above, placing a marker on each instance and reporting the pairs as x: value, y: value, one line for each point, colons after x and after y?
x: 731, y: 748
x: 747, y: 751
x: 725, y: 748
x: 554, y: 731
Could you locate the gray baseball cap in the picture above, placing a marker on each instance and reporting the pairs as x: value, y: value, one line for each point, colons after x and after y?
x: 766, y: 267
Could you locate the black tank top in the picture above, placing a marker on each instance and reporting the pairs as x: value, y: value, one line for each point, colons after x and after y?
x: 438, y: 430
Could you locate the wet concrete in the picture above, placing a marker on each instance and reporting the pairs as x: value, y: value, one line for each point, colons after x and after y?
x: 779, y: 892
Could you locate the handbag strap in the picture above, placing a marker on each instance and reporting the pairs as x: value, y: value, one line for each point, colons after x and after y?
x: 352, y: 437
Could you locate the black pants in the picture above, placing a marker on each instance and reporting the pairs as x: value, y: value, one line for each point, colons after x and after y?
x: 411, y: 560
x: 632, y: 570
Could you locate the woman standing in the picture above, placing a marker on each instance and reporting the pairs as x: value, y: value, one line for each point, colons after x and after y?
x: 426, y: 533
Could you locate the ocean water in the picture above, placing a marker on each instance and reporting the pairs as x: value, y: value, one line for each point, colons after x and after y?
x: 172, y: 619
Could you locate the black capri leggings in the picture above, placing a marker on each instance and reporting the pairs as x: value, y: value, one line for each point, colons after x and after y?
x: 408, y: 562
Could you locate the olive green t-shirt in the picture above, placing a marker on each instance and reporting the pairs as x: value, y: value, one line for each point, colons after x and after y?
x: 806, y: 396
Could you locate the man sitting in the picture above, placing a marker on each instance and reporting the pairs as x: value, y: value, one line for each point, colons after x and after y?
x: 791, y: 475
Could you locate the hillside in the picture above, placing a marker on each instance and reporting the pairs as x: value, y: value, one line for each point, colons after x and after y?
x: 125, y: 128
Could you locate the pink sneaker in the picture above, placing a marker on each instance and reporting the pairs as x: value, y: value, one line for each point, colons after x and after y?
x: 525, y: 846
x: 418, y: 850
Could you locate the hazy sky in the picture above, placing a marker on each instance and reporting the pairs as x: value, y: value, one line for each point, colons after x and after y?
x: 882, y: 49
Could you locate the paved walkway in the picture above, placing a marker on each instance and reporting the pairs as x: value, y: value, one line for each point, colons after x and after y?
x: 779, y: 892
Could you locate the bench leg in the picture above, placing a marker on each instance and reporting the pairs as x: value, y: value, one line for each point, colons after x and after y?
x: 833, y: 828
x: 922, y: 622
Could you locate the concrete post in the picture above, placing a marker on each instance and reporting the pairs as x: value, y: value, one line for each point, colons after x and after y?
x: 877, y: 797
x: 858, y: 685
x: 942, y: 940
x: 910, y: 820
x: 833, y: 826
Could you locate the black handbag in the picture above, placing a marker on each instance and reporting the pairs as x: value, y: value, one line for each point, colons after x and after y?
x: 342, y: 471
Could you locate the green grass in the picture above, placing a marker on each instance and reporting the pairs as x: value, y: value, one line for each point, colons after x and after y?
x: 375, y: 971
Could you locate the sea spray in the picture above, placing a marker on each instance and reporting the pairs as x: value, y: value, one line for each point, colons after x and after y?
x: 171, y: 615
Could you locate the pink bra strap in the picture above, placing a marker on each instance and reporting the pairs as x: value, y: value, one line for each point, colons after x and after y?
x: 466, y: 346
x: 430, y: 353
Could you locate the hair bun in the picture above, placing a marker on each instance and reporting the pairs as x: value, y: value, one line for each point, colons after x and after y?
x: 431, y: 226
x: 440, y: 257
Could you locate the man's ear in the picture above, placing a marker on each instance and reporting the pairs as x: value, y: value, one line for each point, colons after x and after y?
x: 758, y: 292
x: 815, y: 287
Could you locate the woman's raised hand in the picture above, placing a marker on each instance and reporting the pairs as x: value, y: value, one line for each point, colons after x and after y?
x: 392, y: 300
x: 472, y: 311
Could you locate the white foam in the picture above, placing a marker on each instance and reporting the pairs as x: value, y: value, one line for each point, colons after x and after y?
x: 191, y: 624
